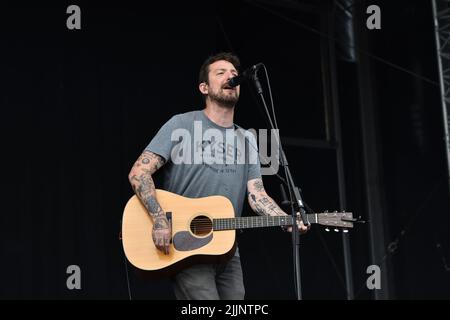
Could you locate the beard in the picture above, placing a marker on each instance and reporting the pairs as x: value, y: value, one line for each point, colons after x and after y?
x: 224, y: 99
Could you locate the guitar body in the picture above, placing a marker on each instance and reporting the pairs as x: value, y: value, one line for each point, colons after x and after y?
x: 193, y: 240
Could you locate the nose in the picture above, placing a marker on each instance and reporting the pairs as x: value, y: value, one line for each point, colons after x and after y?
x: 230, y: 74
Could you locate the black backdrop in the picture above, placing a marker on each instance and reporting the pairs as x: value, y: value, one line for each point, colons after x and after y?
x: 79, y: 106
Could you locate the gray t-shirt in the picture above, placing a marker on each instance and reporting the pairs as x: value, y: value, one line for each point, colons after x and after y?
x: 204, y: 159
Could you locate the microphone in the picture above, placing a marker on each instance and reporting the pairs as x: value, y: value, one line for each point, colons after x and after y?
x: 248, y: 73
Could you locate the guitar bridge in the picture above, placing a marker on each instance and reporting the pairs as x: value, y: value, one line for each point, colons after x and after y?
x: 169, y: 218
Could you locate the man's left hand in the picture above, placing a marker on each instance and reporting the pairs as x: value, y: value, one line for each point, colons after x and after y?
x: 301, y: 227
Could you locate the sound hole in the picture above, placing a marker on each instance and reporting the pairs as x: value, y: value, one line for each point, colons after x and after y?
x: 201, y: 226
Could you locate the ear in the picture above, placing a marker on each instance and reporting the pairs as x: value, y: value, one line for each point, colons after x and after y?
x: 203, y: 87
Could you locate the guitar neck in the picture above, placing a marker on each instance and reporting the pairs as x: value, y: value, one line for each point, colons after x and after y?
x: 256, y: 222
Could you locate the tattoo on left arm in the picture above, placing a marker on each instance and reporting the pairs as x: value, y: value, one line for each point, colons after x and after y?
x: 259, y: 186
x: 265, y: 205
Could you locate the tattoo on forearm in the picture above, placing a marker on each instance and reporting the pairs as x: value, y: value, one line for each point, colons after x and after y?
x: 265, y: 206
x: 143, y: 184
x: 258, y: 184
x: 153, y: 206
x: 161, y: 223
x: 264, y: 201
x: 144, y: 188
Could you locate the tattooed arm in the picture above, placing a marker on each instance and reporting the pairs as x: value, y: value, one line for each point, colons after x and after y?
x: 263, y: 204
x: 141, y: 180
x: 260, y: 201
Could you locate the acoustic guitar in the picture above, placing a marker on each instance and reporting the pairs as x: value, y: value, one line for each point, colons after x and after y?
x: 203, y: 230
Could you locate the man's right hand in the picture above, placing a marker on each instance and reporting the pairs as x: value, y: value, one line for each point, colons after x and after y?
x: 162, y: 233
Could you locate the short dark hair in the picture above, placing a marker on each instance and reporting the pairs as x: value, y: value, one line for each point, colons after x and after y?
x: 227, y: 56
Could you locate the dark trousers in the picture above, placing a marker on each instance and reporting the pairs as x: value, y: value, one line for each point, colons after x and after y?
x: 211, y: 282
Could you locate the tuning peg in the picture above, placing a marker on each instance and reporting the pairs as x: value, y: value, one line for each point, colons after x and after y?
x: 358, y: 220
x: 336, y: 230
x: 327, y: 230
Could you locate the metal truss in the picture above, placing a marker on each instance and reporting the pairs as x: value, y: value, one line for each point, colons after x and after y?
x: 441, y: 15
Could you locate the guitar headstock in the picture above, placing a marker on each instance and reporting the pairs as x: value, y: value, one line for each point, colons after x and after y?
x: 336, y: 220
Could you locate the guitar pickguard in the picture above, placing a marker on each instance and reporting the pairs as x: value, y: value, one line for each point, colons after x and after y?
x: 185, y: 241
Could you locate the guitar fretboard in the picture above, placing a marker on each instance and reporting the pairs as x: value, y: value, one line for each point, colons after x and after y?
x: 255, y: 222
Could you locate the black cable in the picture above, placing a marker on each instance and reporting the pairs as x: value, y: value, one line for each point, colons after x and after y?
x: 391, y: 64
x: 126, y: 262
x: 128, y: 279
x: 270, y: 96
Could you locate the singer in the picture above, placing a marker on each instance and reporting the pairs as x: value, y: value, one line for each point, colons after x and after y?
x: 233, y: 180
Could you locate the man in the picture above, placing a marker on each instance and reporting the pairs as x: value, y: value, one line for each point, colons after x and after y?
x: 232, y: 179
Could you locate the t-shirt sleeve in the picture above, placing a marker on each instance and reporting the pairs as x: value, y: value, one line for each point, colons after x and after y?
x: 162, y: 143
x: 254, y: 167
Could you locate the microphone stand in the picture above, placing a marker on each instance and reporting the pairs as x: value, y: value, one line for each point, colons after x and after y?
x: 299, y: 210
